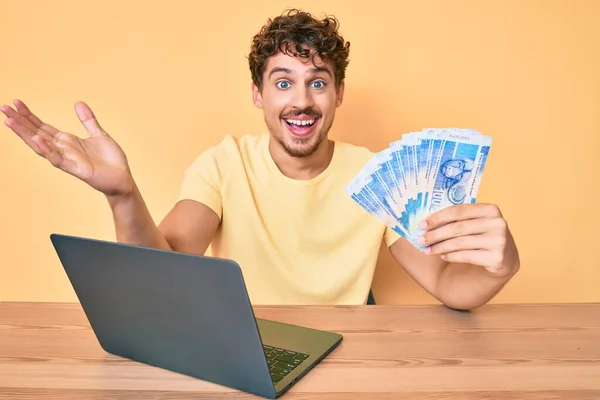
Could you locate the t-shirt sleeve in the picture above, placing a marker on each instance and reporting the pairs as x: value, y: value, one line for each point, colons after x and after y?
x: 390, y: 236
x: 202, y: 181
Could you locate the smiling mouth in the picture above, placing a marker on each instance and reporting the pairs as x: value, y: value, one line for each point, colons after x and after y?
x: 301, y: 127
x: 300, y: 122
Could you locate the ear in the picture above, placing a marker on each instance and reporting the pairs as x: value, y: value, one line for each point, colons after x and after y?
x: 340, y: 94
x: 256, y: 96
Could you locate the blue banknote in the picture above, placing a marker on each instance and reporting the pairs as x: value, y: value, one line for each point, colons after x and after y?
x: 361, y: 191
x: 457, y: 168
x: 420, y: 174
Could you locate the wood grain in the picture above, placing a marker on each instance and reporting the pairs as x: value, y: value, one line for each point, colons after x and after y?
x: 48, y: 351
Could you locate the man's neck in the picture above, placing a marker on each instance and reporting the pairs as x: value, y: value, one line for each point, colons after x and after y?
x: 302, y: 168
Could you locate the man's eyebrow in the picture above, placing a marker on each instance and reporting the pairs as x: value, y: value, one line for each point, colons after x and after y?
x: 280, y: 69
x: 289, y: 71
x: 322, y: 69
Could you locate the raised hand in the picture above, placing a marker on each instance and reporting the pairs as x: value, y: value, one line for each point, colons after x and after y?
x: 97, y: 160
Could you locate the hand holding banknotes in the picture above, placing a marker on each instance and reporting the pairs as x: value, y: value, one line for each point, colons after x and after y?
x: 471, y: 233
x: 97, y: 160
x: 424, y: 187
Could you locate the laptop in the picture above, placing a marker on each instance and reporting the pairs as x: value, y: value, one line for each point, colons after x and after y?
x: 188, y: 314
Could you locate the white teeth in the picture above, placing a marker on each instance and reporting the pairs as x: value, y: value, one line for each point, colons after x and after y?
x: 300, y: 122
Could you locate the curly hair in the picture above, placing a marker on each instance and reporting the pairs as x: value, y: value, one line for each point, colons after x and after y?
x: 297, y: 33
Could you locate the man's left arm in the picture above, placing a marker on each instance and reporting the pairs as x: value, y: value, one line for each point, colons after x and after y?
x: 470, y: 255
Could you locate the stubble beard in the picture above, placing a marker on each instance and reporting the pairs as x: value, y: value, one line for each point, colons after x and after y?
x: 302, y: 150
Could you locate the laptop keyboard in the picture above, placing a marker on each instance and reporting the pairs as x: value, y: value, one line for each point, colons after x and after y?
x: 282, y: 362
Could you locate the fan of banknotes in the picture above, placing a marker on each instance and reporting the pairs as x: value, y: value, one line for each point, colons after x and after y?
x: 420, y: 174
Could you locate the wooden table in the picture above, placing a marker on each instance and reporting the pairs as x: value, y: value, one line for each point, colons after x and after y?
x: 47, y: 351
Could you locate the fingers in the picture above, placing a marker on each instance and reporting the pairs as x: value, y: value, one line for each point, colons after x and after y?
x: 44, y: 139
x: 490, y: 260
x: 24, y: 111
x: 23, y: 130
x: 32, y: 118
x: 33, y: 132
x: 10, y: 113
x: 88, y: 119
x: 461, y: 228
x: 25, y: 119
x: 459, y: 213
x: 476, y: 257
x: 484, y: 241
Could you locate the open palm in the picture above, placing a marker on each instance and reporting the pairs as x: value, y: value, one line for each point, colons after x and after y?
x: 97, y: 160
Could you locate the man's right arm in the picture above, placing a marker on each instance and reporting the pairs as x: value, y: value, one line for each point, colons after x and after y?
x: 189, y: 227
x: 99, y: 161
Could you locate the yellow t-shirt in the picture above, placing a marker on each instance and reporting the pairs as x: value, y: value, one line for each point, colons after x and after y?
x: 296, y: 241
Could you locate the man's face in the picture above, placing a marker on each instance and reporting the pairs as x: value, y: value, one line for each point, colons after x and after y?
x: 299, y: 101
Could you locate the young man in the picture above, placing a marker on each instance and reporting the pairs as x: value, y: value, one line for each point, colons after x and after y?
x: 276, y: 203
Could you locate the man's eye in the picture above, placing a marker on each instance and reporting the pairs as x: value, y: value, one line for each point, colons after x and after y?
x: 283, y: 84
x: 318, y: 84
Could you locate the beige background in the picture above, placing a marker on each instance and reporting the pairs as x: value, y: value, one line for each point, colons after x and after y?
x: 168, y: 79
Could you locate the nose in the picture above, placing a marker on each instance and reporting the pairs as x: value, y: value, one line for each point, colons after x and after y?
x: 302, y: 97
